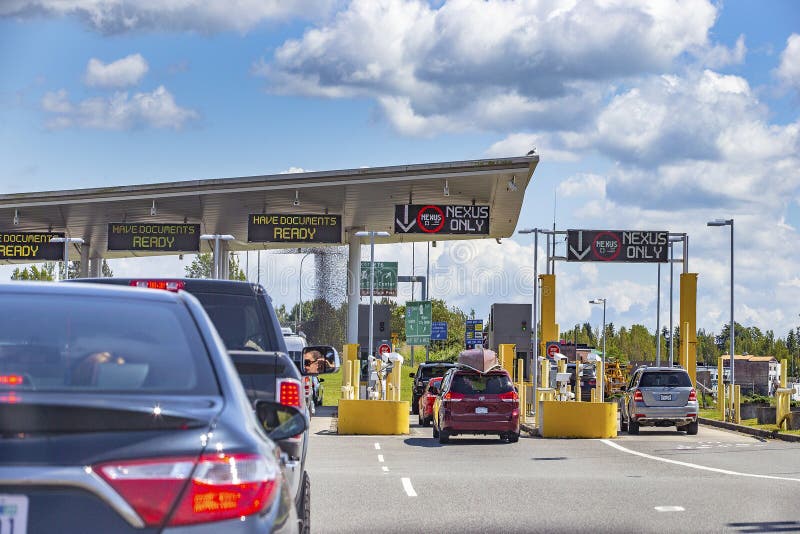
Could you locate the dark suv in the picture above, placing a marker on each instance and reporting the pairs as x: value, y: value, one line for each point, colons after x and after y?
x: 246, y: 321
x: 424, y: 373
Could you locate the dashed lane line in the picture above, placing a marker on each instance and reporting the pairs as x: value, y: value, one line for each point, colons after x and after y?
x: 377, y: 446
x: 408, y: 487
x: 695, y: 466
x: 380, y: 458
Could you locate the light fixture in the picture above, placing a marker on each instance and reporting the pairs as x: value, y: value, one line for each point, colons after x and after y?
x: 16, y: 217
x: 512, y: 184
x: 446, y: 189
x: 296, y: 201
x: 720, y: 222
x: 153, y: 211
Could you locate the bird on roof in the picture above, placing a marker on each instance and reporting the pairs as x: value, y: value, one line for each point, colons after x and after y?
x: 531, y: 152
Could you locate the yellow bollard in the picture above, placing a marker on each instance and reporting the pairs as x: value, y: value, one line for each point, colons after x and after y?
x: 784, y: 373
x: 545, y: 374
x: 737, y: 414
x: 521, y: 390
x: 356, y: 380
x: 562, y: 366
x: 348, y: 374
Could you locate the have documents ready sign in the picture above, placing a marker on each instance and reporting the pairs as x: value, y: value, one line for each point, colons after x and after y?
x: 154, y: 237
x: 30, y: 246
x: 282, y: 228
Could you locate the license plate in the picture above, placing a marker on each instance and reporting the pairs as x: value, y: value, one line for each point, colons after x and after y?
x: 481, y: 409
x: 666, y: 397
x: 13, y: 514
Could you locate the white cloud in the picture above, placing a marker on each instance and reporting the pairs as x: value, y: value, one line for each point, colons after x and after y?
x: 120, y: 111
x: 295, y: 170
x: 518, y: 144
x: 720, y: 56
x: 117, y: 16
x: 789, y: 69
x: 486, y: 65
x: 121, y: 73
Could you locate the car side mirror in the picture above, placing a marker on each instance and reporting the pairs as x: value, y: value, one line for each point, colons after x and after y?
x: 434, y: 390
x: 411, y: 375
x: 281, y: 421
x: 320, y: 359
x: 320, y: 379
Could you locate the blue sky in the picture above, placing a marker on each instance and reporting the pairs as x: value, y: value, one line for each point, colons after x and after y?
x: 666, y: 115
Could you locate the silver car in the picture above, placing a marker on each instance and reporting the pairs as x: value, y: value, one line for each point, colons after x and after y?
x: 659, y: 396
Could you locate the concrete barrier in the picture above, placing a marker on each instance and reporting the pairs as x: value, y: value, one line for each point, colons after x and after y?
x: 578, y: 419
x: 373, y: 417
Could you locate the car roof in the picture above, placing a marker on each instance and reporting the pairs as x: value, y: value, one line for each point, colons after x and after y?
x: 94, y: 290
x: 437, y: 364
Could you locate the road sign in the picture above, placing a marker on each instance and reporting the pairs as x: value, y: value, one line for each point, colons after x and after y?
x: 441, y: 219
x: 438, y: 331
x: 290, y: 228
x: 418, y: 322
x: 385, y: 284
x: 155, y: 237
x: 553, y: 348
x: 626, y: 246
x: 473, y: 333
x: 384, y: 348
x: 30, y: 246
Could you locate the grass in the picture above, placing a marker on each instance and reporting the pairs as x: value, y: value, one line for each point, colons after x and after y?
x: 714, y: 413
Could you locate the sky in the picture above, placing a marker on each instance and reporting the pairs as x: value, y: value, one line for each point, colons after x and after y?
x: 655, y: 115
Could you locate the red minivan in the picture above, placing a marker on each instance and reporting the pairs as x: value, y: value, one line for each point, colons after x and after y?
x: 426, y: 401
x: 476, y: 403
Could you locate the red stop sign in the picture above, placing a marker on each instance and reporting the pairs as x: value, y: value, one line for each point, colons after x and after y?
x: 552, y: 350
x: 384, y: 348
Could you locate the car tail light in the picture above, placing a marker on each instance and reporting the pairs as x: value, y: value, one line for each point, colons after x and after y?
x: 592, y: 382
x: 219, y: 486
x: 289, y: 392
x: 11, y: 380
x: 307, y: 383
x: 509, y: 396
x: 453, y: 396
x: 637, y: 396
x: 639, y: 415
x: 168, y: 285
x: 693, y: 395
x: 691, y: 415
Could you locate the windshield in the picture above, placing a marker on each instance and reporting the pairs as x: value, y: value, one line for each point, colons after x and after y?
x: 428, y: 372
x: 99, y: 344
x: 470, y: 384
x: 665, y: 379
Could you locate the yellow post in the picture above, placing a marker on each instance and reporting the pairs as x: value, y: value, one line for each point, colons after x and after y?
x: 784, y: 373
x: 507, y: 354
x: 549, y: 327
x: 720, y: 389
x: 578, y: 380
x: 523, y: 408
x: 356, y: 380
x: 347, y: 374
x: 688, y: 322
x: 593, y: 395
x: 737, y: 414
x: 562, y: 366
x: 545, y: 374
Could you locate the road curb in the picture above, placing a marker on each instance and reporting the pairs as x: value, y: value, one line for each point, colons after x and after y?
x: 770, y: 434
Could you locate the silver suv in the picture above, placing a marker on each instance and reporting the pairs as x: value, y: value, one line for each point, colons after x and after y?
x: 659, y: 396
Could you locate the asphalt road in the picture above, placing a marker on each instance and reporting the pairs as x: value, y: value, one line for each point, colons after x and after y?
x: 658, y: 481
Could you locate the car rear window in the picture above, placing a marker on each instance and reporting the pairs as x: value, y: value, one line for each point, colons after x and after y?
x: 238, y: 321
x: 428, y: 372
x: 470, y: 384
x: 665, y: 379
x: 100, y: 344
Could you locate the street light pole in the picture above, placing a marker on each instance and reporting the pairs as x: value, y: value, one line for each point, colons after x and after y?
x: 658, y: 319
x: 729, y: 222
x: 371, y: 235
x: 602, y: 376
x: 300, y: 295
x: 66, y: 241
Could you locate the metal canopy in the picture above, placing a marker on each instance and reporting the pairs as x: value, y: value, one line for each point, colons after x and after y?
x: 364, y: 197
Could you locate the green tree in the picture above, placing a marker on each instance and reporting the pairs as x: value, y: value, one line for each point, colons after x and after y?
x: 75, y: 269
x: 44, y: 273
x: 203, y: 265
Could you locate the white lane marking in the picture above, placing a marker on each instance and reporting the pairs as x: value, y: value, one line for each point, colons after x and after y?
x: 385, y: 469
x: 408, y: 487
x: 380, y: 458
x: 695, y: 466
x: 377, y: 446
x: 670, y: 509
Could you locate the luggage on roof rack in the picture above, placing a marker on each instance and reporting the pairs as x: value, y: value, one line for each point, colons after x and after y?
x: 480, y: 360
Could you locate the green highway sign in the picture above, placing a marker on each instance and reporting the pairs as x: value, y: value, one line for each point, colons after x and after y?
x: 418, y: 322
x: 385, y: 279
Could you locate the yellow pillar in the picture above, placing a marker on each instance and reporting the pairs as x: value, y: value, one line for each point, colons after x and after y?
x: 508, y: 352
x: 720, y: 389
x: 578, y: 380
x: 351, y: 371
x: 549, y: 327
x: 737, y: 395
x: 784, y: 373
x: 545, y: 374
x: 523, y: 407
x: 688, y: 323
